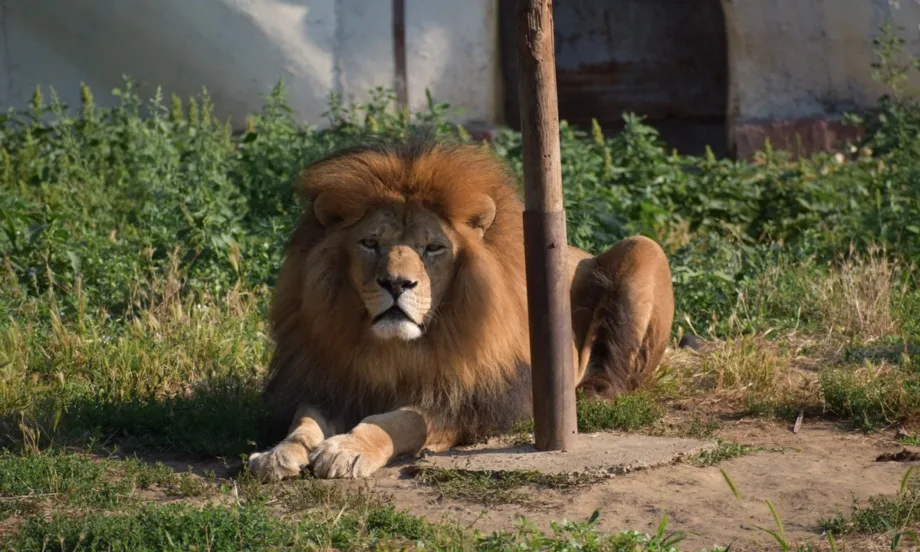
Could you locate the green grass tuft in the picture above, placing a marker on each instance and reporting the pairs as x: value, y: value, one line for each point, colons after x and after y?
x: 883, y: 514
x: 872, y: 396
x: 74, y: 478
x: 173, y: 527
x: 80, y: 480
x: 725, y: 450
x: 626, y: 413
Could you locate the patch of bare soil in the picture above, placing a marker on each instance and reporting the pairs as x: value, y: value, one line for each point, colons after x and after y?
x: 819, y: 469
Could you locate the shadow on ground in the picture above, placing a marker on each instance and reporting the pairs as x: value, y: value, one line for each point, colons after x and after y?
x: 224, y: 420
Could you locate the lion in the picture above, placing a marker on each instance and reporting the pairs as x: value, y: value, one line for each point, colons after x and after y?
x: 399, y: 314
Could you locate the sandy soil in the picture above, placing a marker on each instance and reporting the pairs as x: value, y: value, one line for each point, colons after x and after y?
x: 820, y: 468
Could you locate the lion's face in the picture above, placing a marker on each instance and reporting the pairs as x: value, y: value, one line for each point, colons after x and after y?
x: 401, y: 258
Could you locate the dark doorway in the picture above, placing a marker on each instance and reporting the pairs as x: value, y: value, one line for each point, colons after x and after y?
x: 664, y: 59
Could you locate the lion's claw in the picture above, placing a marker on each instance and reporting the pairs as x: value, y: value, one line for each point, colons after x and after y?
x: 283, y: 461
x: 343, y: 456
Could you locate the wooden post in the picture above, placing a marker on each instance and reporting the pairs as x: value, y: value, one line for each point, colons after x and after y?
x: 399, y: 53
x: 545, y: 242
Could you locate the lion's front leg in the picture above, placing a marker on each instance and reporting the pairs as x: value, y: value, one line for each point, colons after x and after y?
x: 371, y: 444
x: 291, y: 455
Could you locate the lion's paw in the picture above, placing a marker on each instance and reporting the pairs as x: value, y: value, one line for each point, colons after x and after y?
x: 343, y: 456
x: 283, y: 461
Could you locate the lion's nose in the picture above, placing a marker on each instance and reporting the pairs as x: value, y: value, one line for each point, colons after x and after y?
x: 396, y: 286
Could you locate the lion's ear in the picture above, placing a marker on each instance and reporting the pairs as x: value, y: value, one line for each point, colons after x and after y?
x: 335, y: 212
x: 485, y: 215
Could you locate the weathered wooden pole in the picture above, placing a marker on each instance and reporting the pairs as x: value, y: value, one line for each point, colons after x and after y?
x: 399, y: 53
x: 545, y: 241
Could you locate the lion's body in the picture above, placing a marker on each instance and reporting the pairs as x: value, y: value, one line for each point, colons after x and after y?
x: 400, y: 313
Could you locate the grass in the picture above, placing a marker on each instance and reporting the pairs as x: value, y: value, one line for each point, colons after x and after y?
x: 165, y: 347
x: 182, y: 376
x: 881, y: 515
x: 181, y: 527
x: 184, y: 527
x: 858, y: 299
x: 872, y: 396
x: 100, y: 504
x: 77, y: 479
x: 66, y: 477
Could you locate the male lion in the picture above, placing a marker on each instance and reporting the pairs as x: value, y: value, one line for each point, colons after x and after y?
x: 400, y: 312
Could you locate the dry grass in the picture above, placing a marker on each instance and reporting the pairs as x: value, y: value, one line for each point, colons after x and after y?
x: 850, y: 303
x: 741, y: 371
x: 856, y: 298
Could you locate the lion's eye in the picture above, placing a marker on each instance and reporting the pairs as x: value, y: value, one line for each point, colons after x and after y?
x: 434, y: 248
x: 369, y: 243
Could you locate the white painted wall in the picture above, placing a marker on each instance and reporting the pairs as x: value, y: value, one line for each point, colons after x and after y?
x: 238, y: 49
x: 789, y: 59
x: 792, y: 59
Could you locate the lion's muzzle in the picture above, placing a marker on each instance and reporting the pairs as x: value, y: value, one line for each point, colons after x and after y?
x: 397, y: 309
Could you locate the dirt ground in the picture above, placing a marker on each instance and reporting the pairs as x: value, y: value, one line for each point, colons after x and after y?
x: 807, y: 476
x: 819, y: 469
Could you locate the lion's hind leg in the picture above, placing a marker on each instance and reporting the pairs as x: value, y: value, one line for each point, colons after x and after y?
x: 632, y: 299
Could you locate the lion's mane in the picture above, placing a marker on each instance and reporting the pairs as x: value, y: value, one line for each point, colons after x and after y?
x: 472, y: 364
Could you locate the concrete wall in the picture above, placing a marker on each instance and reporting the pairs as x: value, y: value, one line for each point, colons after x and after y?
x: 796, y: 66
x: 239, y: 48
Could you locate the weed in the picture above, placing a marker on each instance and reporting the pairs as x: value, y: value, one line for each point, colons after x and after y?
x: 884, y: 514
x: 183, y: 375
x: 189, y: 485
x: 724, y: 450
x: 147, y: 476
x: 750, y: 364
x: 779, y: 533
